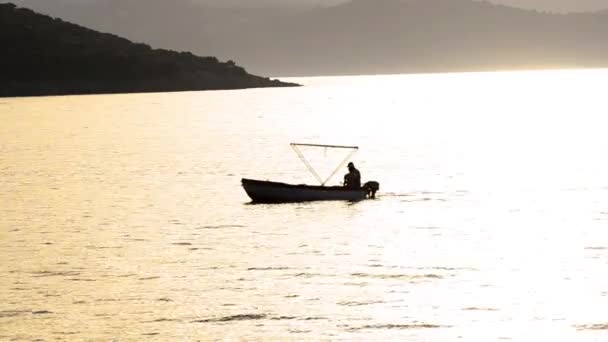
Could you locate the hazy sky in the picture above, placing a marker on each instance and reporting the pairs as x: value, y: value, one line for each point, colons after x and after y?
x: 544, y: 5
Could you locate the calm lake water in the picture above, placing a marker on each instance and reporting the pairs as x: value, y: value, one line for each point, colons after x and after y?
x: 122, y: 216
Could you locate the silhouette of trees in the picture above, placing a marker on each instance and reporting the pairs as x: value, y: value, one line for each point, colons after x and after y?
x: 44, y: 55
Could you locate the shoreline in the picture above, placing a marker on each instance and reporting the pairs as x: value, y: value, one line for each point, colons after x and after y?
x: 27, y: 89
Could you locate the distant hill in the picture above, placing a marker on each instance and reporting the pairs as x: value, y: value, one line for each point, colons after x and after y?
x: 46, y: 56
x: 270, y: 3
x: 558, y: 6
x: 360, y: 36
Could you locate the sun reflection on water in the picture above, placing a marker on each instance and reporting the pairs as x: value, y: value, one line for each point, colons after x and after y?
x: 124, y: 213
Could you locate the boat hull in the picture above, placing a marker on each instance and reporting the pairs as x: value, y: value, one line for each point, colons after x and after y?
x: 273, y: 192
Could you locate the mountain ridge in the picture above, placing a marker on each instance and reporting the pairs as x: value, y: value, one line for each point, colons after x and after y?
x: 48, y: 56
x: 369, y: 36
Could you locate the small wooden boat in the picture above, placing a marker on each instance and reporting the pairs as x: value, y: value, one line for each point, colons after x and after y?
x: 275, y: 192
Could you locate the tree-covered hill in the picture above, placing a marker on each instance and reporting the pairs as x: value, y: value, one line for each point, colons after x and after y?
x: 42, y: 55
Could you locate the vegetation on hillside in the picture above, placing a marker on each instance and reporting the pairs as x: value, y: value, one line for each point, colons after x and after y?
x: 48, y: 56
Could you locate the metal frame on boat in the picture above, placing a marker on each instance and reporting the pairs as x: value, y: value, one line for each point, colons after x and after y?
x: 275, y: 192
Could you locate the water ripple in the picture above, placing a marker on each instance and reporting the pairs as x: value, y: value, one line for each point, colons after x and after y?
x: 398, y: 326
x: 42, y: 274
x: 361, y: 303
x: 103, y: 247
x: 243, y: 317
x: 255, y: 317
x: 428, y: 228
x: 66, y: 333
x: 223, y: 226
x: 592, y: 327
x: 161, y: 320
x: 13, y: 313
x: 41, y: 312
x: 295, y: 331
x: 307, y: 275
x: 268, y: 268
x: 398, y: 276
x: 82, y: 279
x: 283, y: 318
x: 479, y: 309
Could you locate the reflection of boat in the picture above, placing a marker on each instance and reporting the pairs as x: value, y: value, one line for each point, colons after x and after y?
x: 274, y: 192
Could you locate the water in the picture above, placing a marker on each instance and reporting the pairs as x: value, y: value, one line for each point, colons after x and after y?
x: 122, y: 216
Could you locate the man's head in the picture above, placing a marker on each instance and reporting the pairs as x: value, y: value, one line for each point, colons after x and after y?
x: 351, y: 166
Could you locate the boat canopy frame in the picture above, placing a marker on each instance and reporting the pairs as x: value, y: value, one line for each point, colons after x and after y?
x: 312, y: 170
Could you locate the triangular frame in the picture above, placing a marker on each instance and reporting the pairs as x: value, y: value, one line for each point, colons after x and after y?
x: 312, y: 170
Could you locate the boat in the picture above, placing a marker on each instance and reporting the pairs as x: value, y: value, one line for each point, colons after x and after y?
x: 275, y: 192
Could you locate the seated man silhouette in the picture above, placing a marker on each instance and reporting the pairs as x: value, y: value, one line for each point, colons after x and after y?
x: 352, y: 180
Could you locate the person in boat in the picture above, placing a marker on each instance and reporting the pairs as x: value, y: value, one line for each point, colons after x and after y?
x: 352, y: 180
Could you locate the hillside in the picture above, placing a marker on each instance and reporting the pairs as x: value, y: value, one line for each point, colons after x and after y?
x: 46, y: 56
x: 361, y: 36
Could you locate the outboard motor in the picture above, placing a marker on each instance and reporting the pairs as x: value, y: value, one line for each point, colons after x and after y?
x: 371, y: 188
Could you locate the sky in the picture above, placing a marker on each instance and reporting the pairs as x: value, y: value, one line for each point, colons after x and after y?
x: 542, y: 5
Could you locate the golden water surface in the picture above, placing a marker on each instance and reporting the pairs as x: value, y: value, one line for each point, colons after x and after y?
x: 122, y: 216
